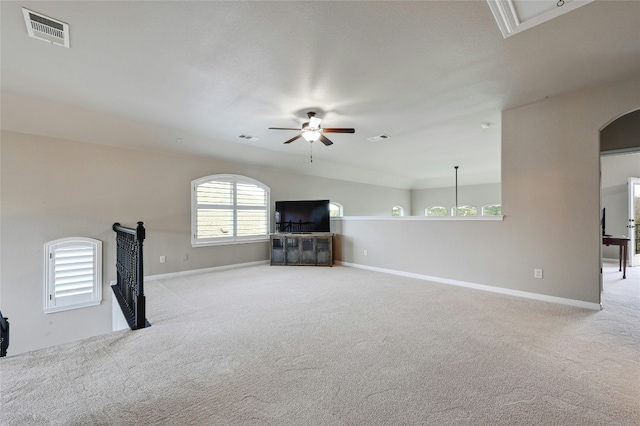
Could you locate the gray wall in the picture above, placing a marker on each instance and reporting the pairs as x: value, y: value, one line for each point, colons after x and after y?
x: 54, y: 188
x: 550, y: 199
x: 473, y: 195
x: 357, y: 199
x: 616, y: 171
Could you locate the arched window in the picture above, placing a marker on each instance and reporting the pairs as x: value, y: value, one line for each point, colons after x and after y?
x: 492, y: 210
x: 464, y: 211
x: 397, y: 211
x: 335, y: 209
x: 73, y: 274
x: 228, y: 208
x: 435, y: 211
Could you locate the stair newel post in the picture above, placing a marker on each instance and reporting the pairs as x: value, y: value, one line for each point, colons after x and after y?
x: 140, y: 298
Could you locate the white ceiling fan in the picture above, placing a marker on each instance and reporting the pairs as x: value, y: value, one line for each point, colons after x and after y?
x: 312, y: 131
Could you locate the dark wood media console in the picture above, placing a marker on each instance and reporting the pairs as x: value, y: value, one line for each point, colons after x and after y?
x: 302, y: 249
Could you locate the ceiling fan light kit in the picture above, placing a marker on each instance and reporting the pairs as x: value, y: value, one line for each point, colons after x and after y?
x: 311, y: 135
x: 311, y: 131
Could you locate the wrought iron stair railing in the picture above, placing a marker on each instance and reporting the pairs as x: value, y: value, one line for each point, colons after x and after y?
x: 129, y: 287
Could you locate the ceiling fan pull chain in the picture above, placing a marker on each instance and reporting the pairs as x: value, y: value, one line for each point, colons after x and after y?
x: 311, y: 151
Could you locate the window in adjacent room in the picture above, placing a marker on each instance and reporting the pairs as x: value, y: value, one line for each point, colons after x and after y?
x: 73, y: 274
x: 492, y: 210
x: 397, y: 211
x: 228, y: 209
x: 335, y: 209
x: 435, y: 211
x: 464, y: 211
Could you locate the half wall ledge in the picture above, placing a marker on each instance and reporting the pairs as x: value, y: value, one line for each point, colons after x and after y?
x: 427, y: 218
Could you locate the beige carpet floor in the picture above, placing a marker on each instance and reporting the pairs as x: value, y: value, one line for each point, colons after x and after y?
x: 340, y: 346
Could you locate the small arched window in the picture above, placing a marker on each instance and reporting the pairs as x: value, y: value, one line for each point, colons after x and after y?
x: 73, y: 274
x: 435, y: 211
x: 464, y: 211
x: 492, y: 210
x: 397, y: 211
x: 335, y: 209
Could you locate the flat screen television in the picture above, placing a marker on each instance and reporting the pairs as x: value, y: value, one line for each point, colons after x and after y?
x: 303, y: 216
x: 603, y: 222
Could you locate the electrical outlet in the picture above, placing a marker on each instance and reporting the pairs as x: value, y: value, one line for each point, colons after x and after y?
x: 163, y: 259
x: 537, y: 273
x: 185, y: 257
x: 366, y: 252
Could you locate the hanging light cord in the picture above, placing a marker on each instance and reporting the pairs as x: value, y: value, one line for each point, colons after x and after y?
x: 456, y: 167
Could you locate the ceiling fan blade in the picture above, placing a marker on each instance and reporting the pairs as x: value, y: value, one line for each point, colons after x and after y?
x: 283, y: 128
x: 294, y: 138
x: 338, y: 130
x: 325, y: 141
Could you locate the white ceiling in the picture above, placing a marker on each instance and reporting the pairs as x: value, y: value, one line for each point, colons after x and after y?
x: 192, y: 76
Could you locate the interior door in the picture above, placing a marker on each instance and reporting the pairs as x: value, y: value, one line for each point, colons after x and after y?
x: 634, y: 220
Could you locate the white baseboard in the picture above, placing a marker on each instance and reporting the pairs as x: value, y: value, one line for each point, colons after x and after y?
x: 510, y: 292
x: 204, y: 270
x: 500, y: 290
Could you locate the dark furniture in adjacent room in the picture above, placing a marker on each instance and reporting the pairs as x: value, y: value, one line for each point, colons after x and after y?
x: 623, y: 244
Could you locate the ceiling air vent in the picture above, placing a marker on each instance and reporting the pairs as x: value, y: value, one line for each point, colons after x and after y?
x: 248, y: 137
x: 46, y: 29
x: 379, y: 137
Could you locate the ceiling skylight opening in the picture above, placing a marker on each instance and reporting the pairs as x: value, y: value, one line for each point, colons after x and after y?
x: 514, y: 16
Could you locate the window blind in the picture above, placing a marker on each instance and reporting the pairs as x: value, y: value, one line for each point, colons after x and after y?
x: 73, y: 275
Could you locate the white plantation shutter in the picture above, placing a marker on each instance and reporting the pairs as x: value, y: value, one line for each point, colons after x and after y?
x: 251, y: 213
x: 214, y: 208
x: 73, y: 273
x: 229, y: 208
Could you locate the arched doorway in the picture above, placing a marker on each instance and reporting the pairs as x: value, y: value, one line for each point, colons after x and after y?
x: 620, y: 193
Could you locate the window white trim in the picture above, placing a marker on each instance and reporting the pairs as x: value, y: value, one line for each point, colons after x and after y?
x: 485, y: 207
x: 72, y: 274
x: 457, y: 209
x: 333, y: 206
x: 231, y: 207
x: 430, y: 208
x: 398, y: 209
